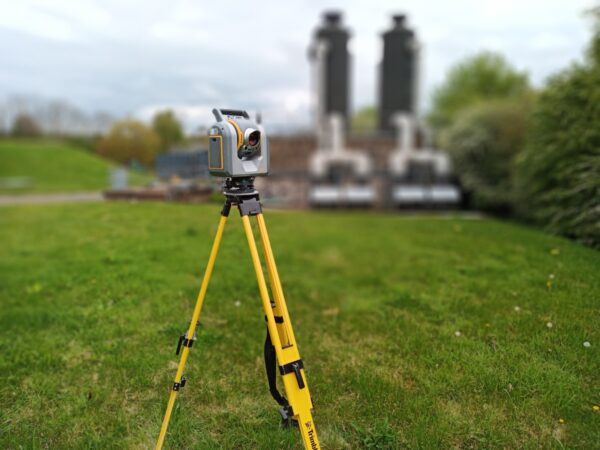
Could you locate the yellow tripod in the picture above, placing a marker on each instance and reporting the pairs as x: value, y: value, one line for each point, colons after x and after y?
x: 280, y: 342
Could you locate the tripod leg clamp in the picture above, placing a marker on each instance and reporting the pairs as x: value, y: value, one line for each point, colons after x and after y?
x: 278, y: 319
x: 295, y: 367
x: 183, y: 340
x: 249, y: 207
x: 177, y: 386
x: 287, y: 415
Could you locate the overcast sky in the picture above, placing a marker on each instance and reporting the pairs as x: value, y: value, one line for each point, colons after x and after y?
x: 132, y: 57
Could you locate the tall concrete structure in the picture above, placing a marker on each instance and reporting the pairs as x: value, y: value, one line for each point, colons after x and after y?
x: 419, y: 176
x: 398, y: 74
x: 330, y: 60
x: 340, y: 176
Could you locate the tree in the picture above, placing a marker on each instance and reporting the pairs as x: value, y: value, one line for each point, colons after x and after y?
x: 365, y: 120
x: 25, y: 125
x: 168, y: 128
x: 483, y: 144
x: 485, y: 76
x: 558, y: 174
x: 129, y: 141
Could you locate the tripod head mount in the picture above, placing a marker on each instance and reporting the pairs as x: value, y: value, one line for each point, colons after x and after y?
x: 241, y: 193
x: 242, y: 186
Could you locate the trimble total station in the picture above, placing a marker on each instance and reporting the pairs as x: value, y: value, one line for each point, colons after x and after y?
x: 238, y: 152
x: 238, y: 147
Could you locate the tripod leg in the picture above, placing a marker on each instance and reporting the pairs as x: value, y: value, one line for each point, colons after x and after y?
x: 288, y: 357
x: 262, y: 285
x: 280, y: 309
x: 187, y: 343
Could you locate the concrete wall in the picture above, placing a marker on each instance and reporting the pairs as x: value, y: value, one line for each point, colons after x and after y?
x: 289, y: 180
x: 290, y: 154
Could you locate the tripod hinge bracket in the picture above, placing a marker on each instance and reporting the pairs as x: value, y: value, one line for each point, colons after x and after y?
x: 278, y: 319
x: 249, y: 207
x: 183, y: 340
x: 180, y: 384
x: 294, y: 367
x: 287, y: 413
x: 226, y: 209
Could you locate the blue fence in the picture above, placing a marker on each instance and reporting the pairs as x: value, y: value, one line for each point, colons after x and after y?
x: 186, y: 165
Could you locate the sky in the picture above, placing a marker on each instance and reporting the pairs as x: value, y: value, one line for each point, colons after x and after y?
x: 135, y: 57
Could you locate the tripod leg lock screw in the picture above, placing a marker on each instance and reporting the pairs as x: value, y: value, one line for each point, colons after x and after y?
x: 183, y: 340
x: 294, y: 367
x: 287, y: 416
x: 177, y: 386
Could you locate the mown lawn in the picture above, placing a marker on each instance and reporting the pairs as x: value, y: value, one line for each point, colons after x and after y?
x: 419, y: 332
x: 54, y: 166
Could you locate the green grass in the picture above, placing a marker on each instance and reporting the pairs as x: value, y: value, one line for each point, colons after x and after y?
x: 93, y: 298
x: 55, y: 166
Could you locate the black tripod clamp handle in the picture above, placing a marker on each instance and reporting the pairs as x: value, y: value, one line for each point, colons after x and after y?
x: 295, y: 367
x: 183, y: 340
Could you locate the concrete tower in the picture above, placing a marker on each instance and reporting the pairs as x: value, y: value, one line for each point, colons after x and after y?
x: 330, y: 60
x: 398, y: 74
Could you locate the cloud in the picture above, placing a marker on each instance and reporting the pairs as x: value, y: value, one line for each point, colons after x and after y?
x: 130, y: 57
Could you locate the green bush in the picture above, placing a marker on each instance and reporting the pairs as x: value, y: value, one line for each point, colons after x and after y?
x: 558, y: 176
x: 483, y: 144
x: 168, y: 128
x: 365, y: 120
x: 25, y: 125
x: 130, y: 141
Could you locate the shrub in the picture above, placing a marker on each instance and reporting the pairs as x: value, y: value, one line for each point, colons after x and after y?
x: 25, y: 126
x: 130, y: 141
x: 558, y: 175
x: 168, y: 128
x: 365, y: 120
x: 483, y: 144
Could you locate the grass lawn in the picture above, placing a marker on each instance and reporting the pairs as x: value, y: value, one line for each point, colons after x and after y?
x: 415, y: 331
x: 54, y: 166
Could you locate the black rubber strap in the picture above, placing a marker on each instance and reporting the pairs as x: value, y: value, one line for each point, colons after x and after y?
x: 271, y: 369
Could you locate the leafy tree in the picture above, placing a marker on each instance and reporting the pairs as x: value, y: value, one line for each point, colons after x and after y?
x: 559, y: 172
x: 130, y: 141
x: 483, y: 144
x: 25, y: 125
x: 365, y: 119
x: 168, y: 128
x: 485, y: 76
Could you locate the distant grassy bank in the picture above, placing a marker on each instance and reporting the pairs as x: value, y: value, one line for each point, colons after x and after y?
x: 38, y: 165
x: 416, y: 332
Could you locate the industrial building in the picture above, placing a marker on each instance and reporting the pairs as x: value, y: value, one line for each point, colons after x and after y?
x: 342, y: 175
x: 392, y: 167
